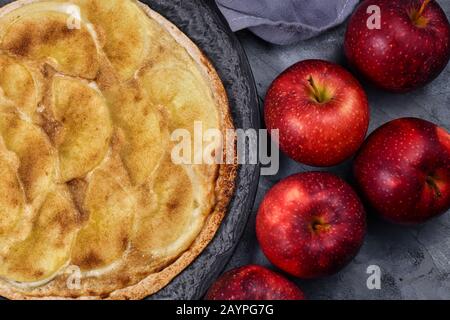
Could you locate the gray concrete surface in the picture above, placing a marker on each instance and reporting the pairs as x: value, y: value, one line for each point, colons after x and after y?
x: 415, y: 262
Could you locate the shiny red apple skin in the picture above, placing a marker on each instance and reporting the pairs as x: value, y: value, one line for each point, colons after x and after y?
x: 317, y: 134
x: 311, y: 225
x: 253, y: 283
x: 401, y: 56
x: 403, y: 171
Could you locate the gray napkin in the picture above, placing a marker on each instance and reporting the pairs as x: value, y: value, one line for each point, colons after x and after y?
x: 286, y: 21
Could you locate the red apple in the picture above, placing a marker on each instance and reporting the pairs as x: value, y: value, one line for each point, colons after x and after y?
x: 403, y: 170
x: 320, y: 110
x: 311, y: 224
x: 410, y: 49
x: 253, y: 283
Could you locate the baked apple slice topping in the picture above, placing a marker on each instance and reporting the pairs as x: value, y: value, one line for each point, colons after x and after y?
x: 84, y: 140
x: 45, y: 36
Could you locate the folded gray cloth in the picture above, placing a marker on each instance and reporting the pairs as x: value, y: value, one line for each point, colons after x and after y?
x: 286, y: 21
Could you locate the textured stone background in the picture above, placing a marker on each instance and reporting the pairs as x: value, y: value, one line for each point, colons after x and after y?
x: 415, y: 262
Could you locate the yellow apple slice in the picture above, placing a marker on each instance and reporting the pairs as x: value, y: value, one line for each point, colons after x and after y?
x: 144, y: 128
x: 186, y: 97
x: 12, y: 201
x: 47, y: 36
x: 123, y: 25
x: 18, y: 86
x: 183, y: 92
x: 87, y: 127
x: 111, y: 208
x: 36, y: 155
x: 172, y: 214
x: 47, y: 248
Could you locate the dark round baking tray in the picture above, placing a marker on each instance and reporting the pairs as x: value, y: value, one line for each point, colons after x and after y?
x: 203, y: 23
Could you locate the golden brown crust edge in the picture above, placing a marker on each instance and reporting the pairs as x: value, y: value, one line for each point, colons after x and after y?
x: 225, y: 185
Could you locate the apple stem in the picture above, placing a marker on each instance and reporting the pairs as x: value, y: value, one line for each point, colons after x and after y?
x: 319, y: 226
x: 434, y: 186
x: 317, y: 94
x: 423, y: 7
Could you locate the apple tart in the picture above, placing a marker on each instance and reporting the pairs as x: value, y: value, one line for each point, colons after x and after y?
x: 92, y: 205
